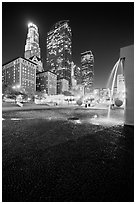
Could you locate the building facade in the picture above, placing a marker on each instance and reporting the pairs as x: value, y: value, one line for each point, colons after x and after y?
x: 59, y: 51
x: 77, y: 74
x: 37, y: 61
x: 87, y: 71
x: 105, y: 92
x: 62, y: 86
x: 73, y: 81
x: 96, y: 92
x: 21, y: 73
x: 32, y: 49
x: 46, y: 81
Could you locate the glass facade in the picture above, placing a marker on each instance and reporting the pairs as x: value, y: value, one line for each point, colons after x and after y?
x: 59, y: 52
x: 77, y: 74
x: 87, y: 72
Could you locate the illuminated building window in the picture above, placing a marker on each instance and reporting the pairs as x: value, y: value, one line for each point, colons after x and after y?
x: 59, y: 40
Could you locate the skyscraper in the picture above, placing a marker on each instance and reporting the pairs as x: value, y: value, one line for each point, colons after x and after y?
x: 32, y: 49
x: 59, y: 52
x: 77, y: 74
x: 74, y: 75
x: 87, y: 71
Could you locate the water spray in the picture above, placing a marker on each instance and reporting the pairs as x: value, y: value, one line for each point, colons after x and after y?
x: 115, y: 69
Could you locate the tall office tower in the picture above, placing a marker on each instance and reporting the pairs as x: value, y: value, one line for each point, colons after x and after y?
x: 77, y: 74
x: 120, y: 83
x: 87, y: 72
x: 59, y: 52
x: 32, y: 49
x: 20, y: 73
x: 73, y: 81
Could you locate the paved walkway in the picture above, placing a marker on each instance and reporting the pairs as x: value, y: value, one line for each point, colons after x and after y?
x: 14, y: 107
x: 63, y: 161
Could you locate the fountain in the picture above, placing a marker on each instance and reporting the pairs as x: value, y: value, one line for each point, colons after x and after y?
x: 108, y: 120
x: 114, y: 70
x: 126, y: 63
x: 111, y: 75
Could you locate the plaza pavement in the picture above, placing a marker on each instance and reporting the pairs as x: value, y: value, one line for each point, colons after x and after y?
x: 46, y: 158
x: 15, y: 107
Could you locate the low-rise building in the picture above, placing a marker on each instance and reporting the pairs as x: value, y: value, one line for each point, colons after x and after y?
x: 37, y: 61
x: 46, y: 81
x: 62, y: 86
x: 20, y: 72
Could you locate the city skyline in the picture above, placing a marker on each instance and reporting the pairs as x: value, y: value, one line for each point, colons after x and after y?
x: 104, y: 30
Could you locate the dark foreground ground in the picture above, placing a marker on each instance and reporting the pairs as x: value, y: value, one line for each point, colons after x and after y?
x: 47, y: 156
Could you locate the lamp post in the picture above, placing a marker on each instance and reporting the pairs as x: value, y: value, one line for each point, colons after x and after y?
x: 16, y: 88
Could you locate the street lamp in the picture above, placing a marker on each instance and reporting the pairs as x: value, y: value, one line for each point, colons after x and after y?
x: 18, y: 86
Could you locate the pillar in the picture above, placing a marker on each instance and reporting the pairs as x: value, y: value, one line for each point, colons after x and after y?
x: 127, y: 53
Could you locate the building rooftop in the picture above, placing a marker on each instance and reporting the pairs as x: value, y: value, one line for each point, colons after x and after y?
x: 17, y: 58
x: 86, y: 52
x: 57, y: 25
x: 44, y: 72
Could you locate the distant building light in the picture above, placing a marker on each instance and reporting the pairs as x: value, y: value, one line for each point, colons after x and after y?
x: 32, y: 25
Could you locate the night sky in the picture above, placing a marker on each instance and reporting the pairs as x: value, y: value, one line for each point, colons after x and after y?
x: 102, y: 28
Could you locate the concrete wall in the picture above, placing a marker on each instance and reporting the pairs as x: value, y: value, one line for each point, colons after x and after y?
x: 128, y: 54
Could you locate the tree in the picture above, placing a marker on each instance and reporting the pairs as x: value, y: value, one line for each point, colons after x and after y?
x: 31, y: 95
x: 4, y: 87
x: 13, y: 91
x: 40, y: 94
